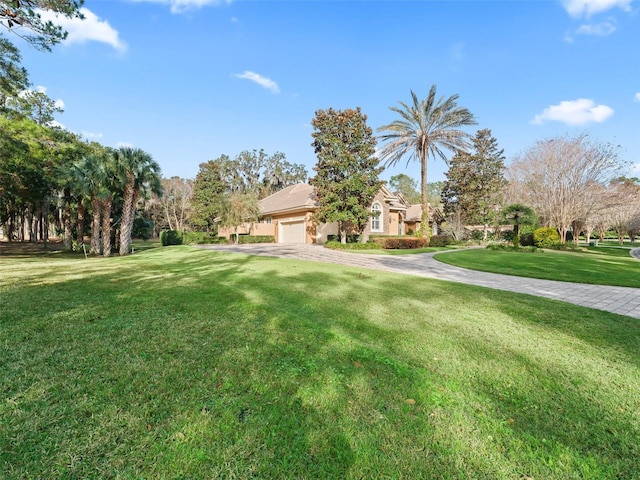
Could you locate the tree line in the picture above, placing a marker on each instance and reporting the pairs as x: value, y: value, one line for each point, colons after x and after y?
x: 51, y: 179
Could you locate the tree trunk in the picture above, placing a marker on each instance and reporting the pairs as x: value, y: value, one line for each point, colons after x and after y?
x: 95, y: 226
x: 45, y: 222
x: 80, y: 225
x: 106, y: 227
x: 66, y: 223
x: 126, y: 223
x: 424, y: 220
x: 342, y: 228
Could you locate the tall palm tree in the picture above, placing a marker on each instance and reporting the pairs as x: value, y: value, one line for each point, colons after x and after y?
x: 138, y: 172
x: 425, y: 128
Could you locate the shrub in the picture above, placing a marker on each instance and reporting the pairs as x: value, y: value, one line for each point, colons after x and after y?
x: 526, y: 240
x: 334, y: 245
x: 440, y: 241
x: 176, y: 237
x: 170, y: 237
x: 256, y: 239
x: 350, y: 238
x: 545, y: 237
x: 400, y: 243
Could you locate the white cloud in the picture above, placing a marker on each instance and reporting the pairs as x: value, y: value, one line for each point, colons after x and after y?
x: 587, y: 8
x: 180, y: 6
x: 59, y: 103
x: 598, y: 29
x: 260, y: 80
x: 91, y: 28
x: 635, y: 167
x: 574, y: 112
x: 90, y: 135
x: 637, y: 97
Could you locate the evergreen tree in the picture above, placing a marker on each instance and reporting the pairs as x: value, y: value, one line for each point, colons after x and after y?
x: 475, y: 182
x: 347, y: 171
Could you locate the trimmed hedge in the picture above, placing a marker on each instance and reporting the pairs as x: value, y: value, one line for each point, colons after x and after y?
x: 351, y: 246
x: 400, y: 243
x: 176, y: 237
x: 256, y: 239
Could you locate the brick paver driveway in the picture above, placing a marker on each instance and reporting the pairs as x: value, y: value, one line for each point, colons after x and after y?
x: 622, y: 300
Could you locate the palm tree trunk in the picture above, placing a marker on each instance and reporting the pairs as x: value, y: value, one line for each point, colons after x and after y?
x: 106, y: 227
x: 80, y: 225
x: 95, y: 226
x: 424, y: 220
x: 126, y: 224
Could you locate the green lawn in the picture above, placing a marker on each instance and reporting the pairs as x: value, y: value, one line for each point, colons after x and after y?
x: 607, y: 265
x: 184, y: 363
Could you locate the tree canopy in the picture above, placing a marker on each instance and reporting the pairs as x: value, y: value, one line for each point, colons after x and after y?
x: 426, y: 128
x: 475, y: 181
x: 24, y: 19
x: 347, y: 171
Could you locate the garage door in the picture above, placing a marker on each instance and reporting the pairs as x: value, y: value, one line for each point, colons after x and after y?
x: 292, y: 232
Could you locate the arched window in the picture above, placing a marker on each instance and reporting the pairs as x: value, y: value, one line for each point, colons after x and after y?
x: 376, y: 217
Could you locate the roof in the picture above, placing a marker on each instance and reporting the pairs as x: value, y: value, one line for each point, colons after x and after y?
x: 414, y: 213
x: 300, y: 196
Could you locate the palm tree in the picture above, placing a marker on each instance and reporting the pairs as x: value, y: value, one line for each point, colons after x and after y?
x: 94, y: 177
x: 138, y: 172
x: 517, y: 214
x: 425, y: 128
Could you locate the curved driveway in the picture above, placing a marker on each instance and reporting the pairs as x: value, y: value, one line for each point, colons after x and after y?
x: 621, y: 300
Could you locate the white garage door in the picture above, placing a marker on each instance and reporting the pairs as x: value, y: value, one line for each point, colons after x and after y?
x: 292, y: 232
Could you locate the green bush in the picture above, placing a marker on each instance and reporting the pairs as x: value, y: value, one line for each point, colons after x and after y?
x: 256, y: 239
x: 170, y: 237
x: 176, y: 237
x: 440, y: 241
x: 350, y: 238
x: 545, y: 237
x: 526, y: 239
x: 352, y: 246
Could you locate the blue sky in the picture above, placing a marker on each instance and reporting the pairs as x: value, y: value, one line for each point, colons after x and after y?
x: 189, y: 80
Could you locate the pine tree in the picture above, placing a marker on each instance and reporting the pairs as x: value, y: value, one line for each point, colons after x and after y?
x: 475, y: 182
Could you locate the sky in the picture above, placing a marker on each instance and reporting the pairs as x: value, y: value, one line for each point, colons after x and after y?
x: 190, y: 80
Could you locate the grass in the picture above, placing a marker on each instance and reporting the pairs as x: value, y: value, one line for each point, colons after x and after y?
x: 182, y: 363
x: 608, y: 265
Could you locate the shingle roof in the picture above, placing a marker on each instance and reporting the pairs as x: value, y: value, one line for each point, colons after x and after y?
x: 296, y: 197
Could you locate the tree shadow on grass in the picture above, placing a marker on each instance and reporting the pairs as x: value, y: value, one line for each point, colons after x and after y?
x: 221, y: 365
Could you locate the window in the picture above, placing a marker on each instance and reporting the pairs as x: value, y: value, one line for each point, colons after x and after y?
x: 267, y: 220
x: 376, y: 217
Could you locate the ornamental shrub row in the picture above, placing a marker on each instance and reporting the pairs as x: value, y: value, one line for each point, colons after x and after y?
x: 256, y: 239
x: 176, y: 237
x: 400, y: 243
x: 334, y: 245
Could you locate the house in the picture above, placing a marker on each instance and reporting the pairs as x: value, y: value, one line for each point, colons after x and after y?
x: 288, y: 216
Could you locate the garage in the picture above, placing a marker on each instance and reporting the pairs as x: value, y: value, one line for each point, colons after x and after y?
x: 292, y: 232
